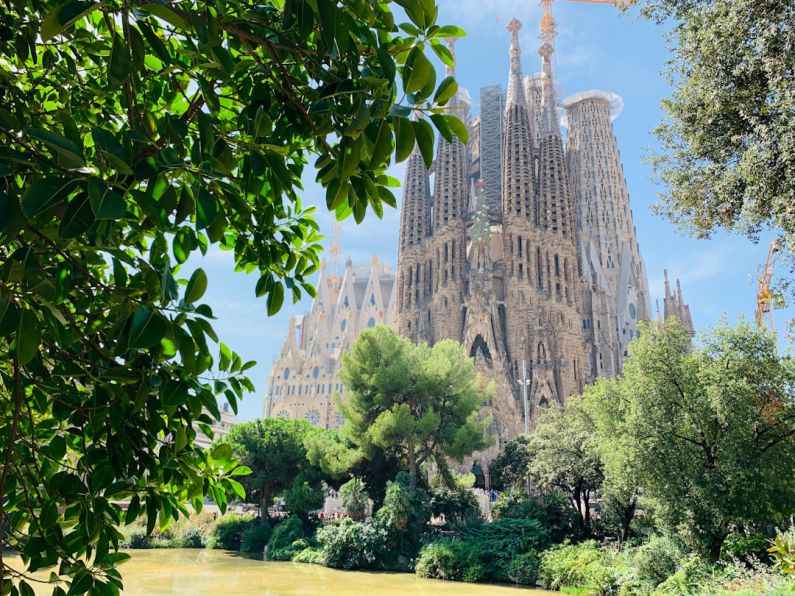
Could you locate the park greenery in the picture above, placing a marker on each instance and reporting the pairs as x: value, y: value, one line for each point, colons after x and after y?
x: 674, y: 478
x: 727, y: 141
x: 135, y: 136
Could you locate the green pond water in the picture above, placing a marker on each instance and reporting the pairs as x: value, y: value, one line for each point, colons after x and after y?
x: 198, y: 572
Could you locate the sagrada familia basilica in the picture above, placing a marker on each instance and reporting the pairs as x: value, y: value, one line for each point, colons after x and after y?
x: 519, y: 245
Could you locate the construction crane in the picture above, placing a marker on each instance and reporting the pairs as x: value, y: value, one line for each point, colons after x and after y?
x: 766, y: 299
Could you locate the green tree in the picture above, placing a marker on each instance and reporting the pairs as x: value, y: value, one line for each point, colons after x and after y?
x: 509, y: 469
x: 133, y: 135
x: 421, y: 401
x: 273, y: 449
x: 728, y: 138
x: 564, y: 457
x: 711, y: 431
x: 303, y: 496
x: 606, y: 407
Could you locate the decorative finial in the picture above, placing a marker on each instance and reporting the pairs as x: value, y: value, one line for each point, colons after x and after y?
x: 515, y: 80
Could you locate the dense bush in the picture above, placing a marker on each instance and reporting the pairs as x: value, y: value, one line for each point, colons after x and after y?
x: 551, y: 510
x: 354, y: 498
x: 349, y: 544
x: 255, y: 538
x: 503, y: 540
x: 581, y: 565
x: 459, y: 507
x: 282, y: 543
x: 455, y: 560
x: 136, y: 538
x: 405, y: 514
x: 228, y: 531
x: 187, y: 532
x: 523, y: 568
x: 745, y: 547
x: 310, y: 554
x: 656, y: 560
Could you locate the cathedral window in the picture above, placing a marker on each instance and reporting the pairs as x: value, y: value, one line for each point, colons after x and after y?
x: 446, y: 252
x: 519, y: 245
x: 372, y: 299
x: 557, y: 268
x: 286, y: 373
x: 315, y: 372
x: 371, y: 322
x: 344, y: 325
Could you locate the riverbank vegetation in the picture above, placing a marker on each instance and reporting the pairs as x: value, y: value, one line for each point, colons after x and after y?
x: 639, y: 486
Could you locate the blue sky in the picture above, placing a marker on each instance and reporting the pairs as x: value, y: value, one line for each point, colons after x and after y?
x: 597, y: 48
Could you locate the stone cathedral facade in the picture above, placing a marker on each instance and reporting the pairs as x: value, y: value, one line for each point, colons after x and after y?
x: 525, y: 250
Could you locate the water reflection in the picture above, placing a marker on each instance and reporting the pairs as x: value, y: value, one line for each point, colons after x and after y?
x: 197, y: 572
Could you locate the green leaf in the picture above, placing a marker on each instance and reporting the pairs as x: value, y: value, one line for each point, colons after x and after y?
x: 64, y: 16
x: 240, y: 471
x: 106, y: 143
x: 70, y: 155
x: 222, y: 453
x: 382, y: 147
x: 106, y: 203
x: 417, y: 71
x: 119, y: 63
x: 275, y: 298
x: 165, y: 13
x: 450, y: 31
x: 102, y: 477
x: 446, y: 89
x: 77, y: 218
x: 206, y: 210
x: 28, y: 336
x: 237, y: 488
x: 424, y: 134
x: 441, y: 125
x: 9, y: 316
x: 444, y: 54
x: 197, y: 285
x: 46, y: 194
x: 459, y: 128
x: 133, y: 509
x: 147, y: 328
x: 225, y: 357
x: 404, y: 139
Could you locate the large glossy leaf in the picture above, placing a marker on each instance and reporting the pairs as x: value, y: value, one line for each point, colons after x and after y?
x: 63, y: 16
x: 28, y: 336
x: 197, y: 285
x: 77, y: 218
x: 147, y: 328
x: 404, y: 138
x: 106, y: 203
x: 417, y: 71
x: 69, y: 153
x: 120, y: 61
x: 46, y: 194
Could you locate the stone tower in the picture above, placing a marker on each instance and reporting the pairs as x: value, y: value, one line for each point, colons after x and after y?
x: 528, y: 279
x: 615, y: 290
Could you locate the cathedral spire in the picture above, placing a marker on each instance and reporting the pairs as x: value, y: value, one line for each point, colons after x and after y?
x: 517, y: 159
x: 415, y: 211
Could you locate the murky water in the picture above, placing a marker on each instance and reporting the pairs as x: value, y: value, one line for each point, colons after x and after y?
x: 198, y: 572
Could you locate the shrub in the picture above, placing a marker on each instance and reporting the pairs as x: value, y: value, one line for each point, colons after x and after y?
x: 310, y: 554
x: 783, y: 550
x: 354, y: 498
x: 349, y: 544
x: 228, y: 531
x: 459, y: 507
x: 303, y: 497
x: 656, y: 560
x: 523, y: 568
x: 255, y: 538
x: 579, y: 566
x: 551, y: 510
x: 502, y: 540
x: 405, y: 515
x: 455, y: 560
x: 136, y: 538
x: 692, y: 577
x: 746, y: 548
x: 281, y: 543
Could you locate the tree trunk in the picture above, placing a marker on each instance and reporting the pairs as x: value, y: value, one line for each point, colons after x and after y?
x: 412, y: 457
x: 587, y: 513
x: 627, y: 516
x: 264, y: 501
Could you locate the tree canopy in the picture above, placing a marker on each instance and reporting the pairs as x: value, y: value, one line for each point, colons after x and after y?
x: 422, y: 402
x: 273, y: 449
x: 727, y: 150
x: 710, y: 431
x: 133, y: 135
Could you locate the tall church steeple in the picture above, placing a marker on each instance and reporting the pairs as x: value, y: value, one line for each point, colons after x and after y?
x: 517, y: 157
x: 415, y: 211
x: 451, y: 185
